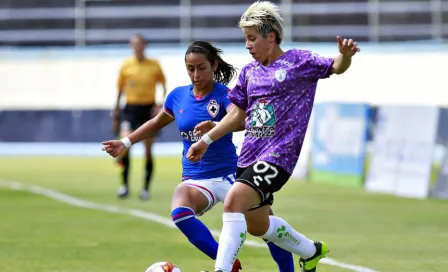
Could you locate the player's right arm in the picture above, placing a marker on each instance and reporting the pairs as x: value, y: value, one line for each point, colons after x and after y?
x: 151, y: 127
x: 233, y: 119
x: 205, y: 126
x: 148, y: 129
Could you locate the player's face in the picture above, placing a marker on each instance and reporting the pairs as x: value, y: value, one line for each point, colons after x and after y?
x: 138, y: 45
x: 199, y: 69
x: 259, y: 47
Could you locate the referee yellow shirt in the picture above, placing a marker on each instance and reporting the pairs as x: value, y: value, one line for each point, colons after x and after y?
x: 138, y: 80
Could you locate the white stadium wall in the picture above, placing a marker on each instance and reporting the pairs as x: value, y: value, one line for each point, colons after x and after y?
x: 83, y: 79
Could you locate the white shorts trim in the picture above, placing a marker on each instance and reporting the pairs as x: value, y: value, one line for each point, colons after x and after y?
x: 214, y: 189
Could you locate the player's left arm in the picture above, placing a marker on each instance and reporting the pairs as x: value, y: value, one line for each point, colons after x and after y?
x: 241, y: 125
x: 229, y: 106
x: 161, y: 80
x: 347, y: 49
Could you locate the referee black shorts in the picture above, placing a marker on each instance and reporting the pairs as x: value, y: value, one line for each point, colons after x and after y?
x: 133, y: 116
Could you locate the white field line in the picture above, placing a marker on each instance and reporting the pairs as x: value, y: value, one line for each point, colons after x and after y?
x: 58, y: 196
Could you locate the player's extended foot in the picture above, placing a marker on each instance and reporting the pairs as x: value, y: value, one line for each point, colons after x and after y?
x: 310, y: 264
x: 144, y: 195
x: 236, y: 267
x: 123, y: 192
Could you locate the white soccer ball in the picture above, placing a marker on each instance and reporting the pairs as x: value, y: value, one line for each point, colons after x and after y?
x: 163, y: 267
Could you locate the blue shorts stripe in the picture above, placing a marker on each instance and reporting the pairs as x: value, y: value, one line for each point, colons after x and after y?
x: 229, y: 179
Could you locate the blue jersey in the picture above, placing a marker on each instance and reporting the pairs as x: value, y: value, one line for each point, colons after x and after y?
x: 188, y: 111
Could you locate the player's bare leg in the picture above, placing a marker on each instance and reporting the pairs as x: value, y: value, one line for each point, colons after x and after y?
x: 186, y: 203
x: 240, y: 198
x: 257, y: 222
x: 234, y: 230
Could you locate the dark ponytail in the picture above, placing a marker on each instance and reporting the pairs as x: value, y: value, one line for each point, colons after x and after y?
x: 225, y: 71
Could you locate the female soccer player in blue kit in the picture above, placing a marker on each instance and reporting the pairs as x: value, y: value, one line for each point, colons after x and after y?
x: 206, y: 182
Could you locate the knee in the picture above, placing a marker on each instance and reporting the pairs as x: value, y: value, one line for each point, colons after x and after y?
x: 241, y: 198
x: 231, y: 204
x: 182, y: 213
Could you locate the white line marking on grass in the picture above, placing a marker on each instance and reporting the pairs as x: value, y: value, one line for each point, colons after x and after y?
x: 141, y: 214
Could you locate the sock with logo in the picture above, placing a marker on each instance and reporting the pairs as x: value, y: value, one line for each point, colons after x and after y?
x: 282, y: 257
x: 231, y: 240
x: 197, y: 233
x: 282, y: 234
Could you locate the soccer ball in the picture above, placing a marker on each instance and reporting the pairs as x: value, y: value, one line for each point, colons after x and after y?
x: 163, y: 267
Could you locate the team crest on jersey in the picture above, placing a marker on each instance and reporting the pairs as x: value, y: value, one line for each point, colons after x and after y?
x: 280, y: 75
x: 262, y: 120
x: 189, y: 136
x: 184, y: 135
x: 213, y: 108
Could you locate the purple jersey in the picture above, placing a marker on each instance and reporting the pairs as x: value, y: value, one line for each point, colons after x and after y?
x: 278, y: 100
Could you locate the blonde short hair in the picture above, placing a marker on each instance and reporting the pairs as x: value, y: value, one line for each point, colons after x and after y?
x: 265, y: 16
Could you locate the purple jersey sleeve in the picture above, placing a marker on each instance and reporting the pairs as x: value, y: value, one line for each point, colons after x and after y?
x: 316, y: 66
x: 238, y: 95
x: 168, y: 105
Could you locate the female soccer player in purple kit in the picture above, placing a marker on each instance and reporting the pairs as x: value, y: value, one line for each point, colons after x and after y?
x: 274, y: 98
x: 207, y: 182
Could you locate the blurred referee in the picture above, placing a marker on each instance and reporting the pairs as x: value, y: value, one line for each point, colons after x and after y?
x: 137, y: 80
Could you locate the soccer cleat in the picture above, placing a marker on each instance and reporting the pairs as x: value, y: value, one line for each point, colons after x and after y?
x: 123, y: 192
x: 144, y: 195
x: 310, y: 264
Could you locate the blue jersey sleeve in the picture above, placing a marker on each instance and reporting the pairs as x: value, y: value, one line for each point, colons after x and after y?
x: 225, y: 101
x: 169, y: 103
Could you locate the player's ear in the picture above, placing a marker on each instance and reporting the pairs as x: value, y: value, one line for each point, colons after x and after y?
x: 215, y: 66
x: 272, y: 36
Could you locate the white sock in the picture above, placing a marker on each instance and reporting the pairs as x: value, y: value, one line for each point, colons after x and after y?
x: 283, y: 235
x: 231, y: 240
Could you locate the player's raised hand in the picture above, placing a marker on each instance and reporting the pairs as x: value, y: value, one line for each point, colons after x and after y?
x: 203, y: 127
x: 113, y: 148
x: 196, y: 151
x: 347, y: 48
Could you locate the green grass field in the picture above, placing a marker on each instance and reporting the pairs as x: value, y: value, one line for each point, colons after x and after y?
x: 37, y: 233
